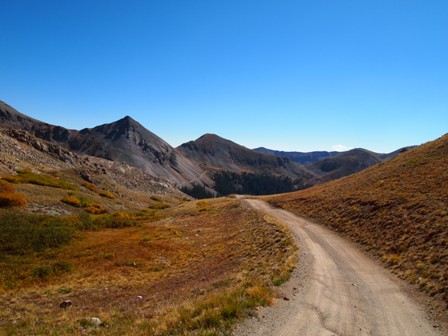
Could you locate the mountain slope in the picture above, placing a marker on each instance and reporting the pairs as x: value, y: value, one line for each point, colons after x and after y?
x: 299, y: 157
x: 11, y: 118
x: 128, y: 141
x: 123, y: 141
x: 397, y: 210
x: 217, y: 153
x: 345, y: 163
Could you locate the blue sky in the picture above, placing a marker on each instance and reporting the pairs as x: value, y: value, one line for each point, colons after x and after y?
x: 288, y: 75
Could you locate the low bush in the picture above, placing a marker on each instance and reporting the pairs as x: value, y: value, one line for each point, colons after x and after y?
x: 159, y: 206
x: 11, y: 199
x: 96, y: 209
x: 88, y: 205
x: 115, y: 221
x: 105, y: 221
x: 27, y: 176
x: 57, y: 268
x: 20, y: 234
x: 107, y: 194
x: 91, y: 187
x: 6, y: 187
x: 72, y: 200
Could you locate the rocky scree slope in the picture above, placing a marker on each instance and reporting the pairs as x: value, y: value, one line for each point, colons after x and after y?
x: 21, y: 150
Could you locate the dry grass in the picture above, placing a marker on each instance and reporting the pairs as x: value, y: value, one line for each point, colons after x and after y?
x: 397, y: 210
x: 191, y: 269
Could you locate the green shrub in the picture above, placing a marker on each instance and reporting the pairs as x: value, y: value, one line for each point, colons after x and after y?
x: 159, y: 206
x: 27, y: 176
x: 114, y: 221
x: 110, y: 221
x: 20, y: 234
x: 58, y: 268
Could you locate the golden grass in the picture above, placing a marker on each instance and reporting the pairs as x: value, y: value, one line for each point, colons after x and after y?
x: 191, y: 269
x: 397, y: 210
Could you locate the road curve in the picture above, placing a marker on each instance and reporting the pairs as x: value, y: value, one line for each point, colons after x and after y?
x: 344, y: 293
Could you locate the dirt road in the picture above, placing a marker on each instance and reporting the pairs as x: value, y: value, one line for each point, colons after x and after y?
x: 337, y: 291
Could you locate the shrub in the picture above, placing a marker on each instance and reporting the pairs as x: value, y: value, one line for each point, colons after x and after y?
x: 91, y: 187
x: 6, y: 187
x: 11, y: 199
x: 72, y: 200
x: 114, y: 221
x: 22, y: 233
x: 57, y: 268
x: 107, y: 194
x: 159, y: 206
x: 27, y: 176
x: 95, y: 209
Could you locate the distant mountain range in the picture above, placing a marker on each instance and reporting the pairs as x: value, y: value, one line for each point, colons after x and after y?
x: 197, y: 163
x: 299, y: 157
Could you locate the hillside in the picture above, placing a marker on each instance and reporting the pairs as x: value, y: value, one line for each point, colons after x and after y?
x: 346, y: 163
x: 330, y: 166
x: 304, y: 158
x: 236, y: 169
x: 215, y: 152
x: 397, y: 210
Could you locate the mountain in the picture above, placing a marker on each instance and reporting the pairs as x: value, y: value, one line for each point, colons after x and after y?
x: 329, y: 166
x: 216, y: 153
x: 11, y: 118
x: 128, y: 141
x: 122, y: 141
x: 396, y: 210
x: 299, y: 157
x: 197, y: 163
x: 236, y: 169
x: 346, y: 163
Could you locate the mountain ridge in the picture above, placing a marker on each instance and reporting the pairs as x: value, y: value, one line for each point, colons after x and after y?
x: 194, y: 162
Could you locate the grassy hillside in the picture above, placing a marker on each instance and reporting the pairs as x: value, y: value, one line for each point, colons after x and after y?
x: 397, y: 210
x: 187, y: 269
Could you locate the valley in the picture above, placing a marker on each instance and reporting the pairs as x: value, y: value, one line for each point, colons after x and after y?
x: 112, y: 220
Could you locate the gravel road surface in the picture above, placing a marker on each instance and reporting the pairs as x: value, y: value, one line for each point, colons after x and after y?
x: 336, y: 290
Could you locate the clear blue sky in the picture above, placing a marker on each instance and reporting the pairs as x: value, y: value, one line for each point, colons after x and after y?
x: 289, y: 75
